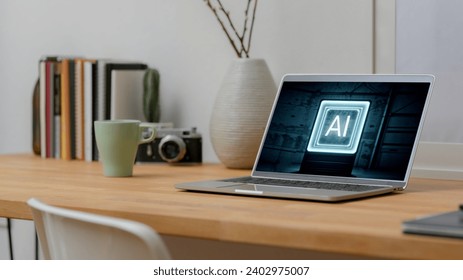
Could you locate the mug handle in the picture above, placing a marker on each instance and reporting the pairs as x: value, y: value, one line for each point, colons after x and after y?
x: 152, y: 135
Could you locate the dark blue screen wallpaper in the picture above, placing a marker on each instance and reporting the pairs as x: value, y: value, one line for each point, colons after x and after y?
x: 347, y: 129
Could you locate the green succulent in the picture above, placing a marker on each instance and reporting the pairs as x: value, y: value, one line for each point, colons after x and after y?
x: 151, y: 107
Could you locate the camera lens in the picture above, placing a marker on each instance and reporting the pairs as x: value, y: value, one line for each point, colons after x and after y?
x: 172, y: 148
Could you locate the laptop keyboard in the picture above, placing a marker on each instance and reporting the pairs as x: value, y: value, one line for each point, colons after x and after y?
x: 304, y: 184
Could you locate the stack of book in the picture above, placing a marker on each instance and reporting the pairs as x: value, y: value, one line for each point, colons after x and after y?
x: 74, y: 92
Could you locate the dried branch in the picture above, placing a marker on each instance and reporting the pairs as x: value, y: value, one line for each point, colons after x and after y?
x: 245, y: 28
x: 243, y: 50
x: 252, y: 26
x: 213, y: 9
x: 232, y: 26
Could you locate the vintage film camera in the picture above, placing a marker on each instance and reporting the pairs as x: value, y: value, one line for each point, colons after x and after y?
x: 172, y: 145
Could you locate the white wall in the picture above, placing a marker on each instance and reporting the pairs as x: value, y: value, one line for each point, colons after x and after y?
x: 180, y: 38
x: 430, y: 40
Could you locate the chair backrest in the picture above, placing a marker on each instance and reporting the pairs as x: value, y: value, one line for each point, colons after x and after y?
x: 70, y: 234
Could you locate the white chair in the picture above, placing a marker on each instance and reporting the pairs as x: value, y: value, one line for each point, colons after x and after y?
x: 70, y: 234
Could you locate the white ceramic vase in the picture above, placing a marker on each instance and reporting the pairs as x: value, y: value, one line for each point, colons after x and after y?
x: 241, y: 111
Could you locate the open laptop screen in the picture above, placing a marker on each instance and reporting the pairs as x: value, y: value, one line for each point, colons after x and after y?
x: 348, y: 129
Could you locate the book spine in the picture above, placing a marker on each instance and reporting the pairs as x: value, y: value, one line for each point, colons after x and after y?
x: 94, y: 109
x: 79, y: 107
x: 88, y: 110
x: 57, y: 110
x: 49, y: 109
x: 36, y: 117
x: 72, y: 106
x: 101, y: 91
x: 65, y: 111
x: 43, y: 86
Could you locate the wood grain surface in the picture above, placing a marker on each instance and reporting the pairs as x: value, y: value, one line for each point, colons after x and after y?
x: 367, y: 227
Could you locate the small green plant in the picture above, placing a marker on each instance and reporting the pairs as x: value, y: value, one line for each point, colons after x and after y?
x: 151, y: 108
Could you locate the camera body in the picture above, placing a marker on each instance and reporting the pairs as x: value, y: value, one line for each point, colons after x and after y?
x: 172, y: 145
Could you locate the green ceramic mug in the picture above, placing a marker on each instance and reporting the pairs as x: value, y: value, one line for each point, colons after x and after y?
x: 117, y: 142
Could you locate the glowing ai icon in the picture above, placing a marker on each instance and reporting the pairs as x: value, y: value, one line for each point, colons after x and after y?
x: 338, y: 126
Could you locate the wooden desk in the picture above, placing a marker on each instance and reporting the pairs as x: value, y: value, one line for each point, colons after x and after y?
x: 367, y: 228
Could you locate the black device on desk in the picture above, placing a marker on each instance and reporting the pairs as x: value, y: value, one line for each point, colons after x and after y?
x: 173, y: 145
x: 448, y: 224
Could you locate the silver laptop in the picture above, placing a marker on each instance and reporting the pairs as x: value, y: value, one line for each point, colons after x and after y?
x: 335, y: 137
